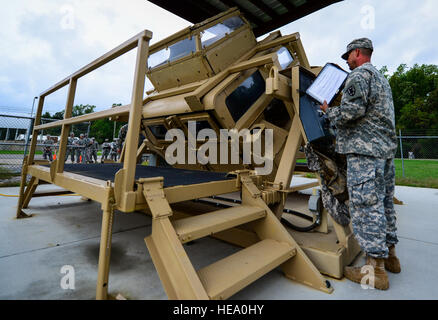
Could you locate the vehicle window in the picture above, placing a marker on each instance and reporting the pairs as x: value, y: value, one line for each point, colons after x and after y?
x: 200, y: 124
x: 276, y: 113
x: 218, y: 31
x: 174, y: 52
x: 284, y: 57
x: 159, y: 131
x: 241, y: 99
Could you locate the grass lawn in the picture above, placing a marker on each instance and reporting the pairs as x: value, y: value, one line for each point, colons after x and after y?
x: 418, y: 173
x: 17, y: 152
x: 6, y: 174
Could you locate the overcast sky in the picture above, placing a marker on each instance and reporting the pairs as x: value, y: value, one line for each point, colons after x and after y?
x: 43, y: 41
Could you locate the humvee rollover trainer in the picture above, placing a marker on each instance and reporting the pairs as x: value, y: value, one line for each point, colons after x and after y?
x: 214, y: 75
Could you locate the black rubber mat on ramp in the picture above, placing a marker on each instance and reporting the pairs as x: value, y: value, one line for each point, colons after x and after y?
x: 172, y: 176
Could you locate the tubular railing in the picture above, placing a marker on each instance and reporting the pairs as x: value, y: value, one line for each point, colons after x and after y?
x: 140, y: 41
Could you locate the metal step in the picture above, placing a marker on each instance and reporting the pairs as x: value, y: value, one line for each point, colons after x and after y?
x: 196, y: 227
x: 224, y: 278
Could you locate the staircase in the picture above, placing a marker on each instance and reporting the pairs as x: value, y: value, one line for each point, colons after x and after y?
x: 196, y: 227
x: 224, y: 278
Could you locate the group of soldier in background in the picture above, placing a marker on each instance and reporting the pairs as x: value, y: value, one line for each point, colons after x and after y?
x: 110, y: 150
x: 83, y: 150
x: 114, y: 148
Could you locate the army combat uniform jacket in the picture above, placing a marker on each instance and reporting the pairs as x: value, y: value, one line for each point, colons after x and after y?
x: 70, y: 149
x: 80, y: 150
x: 47, y: 150
x: 366, y: 134
x: 365, y: 119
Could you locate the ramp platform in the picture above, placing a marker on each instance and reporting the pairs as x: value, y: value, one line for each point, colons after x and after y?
x: 172, y: 176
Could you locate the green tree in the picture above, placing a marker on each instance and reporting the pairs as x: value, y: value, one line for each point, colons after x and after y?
x: 100, y: 129
x: 58, y: 115
x: 415, y: 96
x: 384, y: 71
x: 79, y: 110
x: 47, y: 117
x: 105, y: 129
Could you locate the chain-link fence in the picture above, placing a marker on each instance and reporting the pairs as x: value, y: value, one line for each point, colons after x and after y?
x: 416, y: 147
x: 16, y: 136
x: 15, y: 139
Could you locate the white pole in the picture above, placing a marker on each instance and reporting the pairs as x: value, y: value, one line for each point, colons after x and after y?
x: 401, y: 153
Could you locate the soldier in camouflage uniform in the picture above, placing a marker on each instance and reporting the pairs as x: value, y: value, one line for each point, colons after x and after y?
x: 93, y: 149
x: 70, y: 148
x: 106, y: 148
x: 80, y: 147
x: 114, y: 147
x: 332, y: 170
x: 47, y: 149
x: 86, y: 154
x: 122, y: 136
x: 366, y: 135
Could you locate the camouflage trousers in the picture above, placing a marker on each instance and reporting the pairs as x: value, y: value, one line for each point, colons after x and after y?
x: 85, y: 155
x: 78, y: 155
x: 70, y: 152
x: 370, y: 184
x: 105, y: 154
x: 93, y: 155
x: 113, y: 156
x: 47, y: 154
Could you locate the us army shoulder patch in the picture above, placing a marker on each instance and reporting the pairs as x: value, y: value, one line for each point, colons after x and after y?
x: 352, y: 91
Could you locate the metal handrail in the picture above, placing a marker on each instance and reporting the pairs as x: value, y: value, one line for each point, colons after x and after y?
x: 140, y: 41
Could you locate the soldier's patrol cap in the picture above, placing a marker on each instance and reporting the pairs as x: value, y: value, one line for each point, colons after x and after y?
x: 363, y: 43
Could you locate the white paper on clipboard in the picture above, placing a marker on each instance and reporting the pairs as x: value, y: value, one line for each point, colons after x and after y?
x: 327, y: 84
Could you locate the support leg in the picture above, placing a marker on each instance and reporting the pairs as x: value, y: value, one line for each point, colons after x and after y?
x: 30, y: 190
x: 20, y: 214
x: 288, y: 161
x: 105, y: 253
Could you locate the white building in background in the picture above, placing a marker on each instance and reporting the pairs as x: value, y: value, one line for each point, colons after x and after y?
x: 11, y: 127
x: 22, y: 137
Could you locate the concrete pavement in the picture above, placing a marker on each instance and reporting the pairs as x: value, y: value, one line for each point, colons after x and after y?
x: 65, y: 230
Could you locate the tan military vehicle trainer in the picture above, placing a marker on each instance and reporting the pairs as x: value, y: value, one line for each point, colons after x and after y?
x: 216, y: 91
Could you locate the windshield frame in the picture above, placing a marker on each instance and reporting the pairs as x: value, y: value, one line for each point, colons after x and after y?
x: 194, y: 33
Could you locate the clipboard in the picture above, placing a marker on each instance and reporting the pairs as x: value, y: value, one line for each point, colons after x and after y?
x: 327, y: 84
